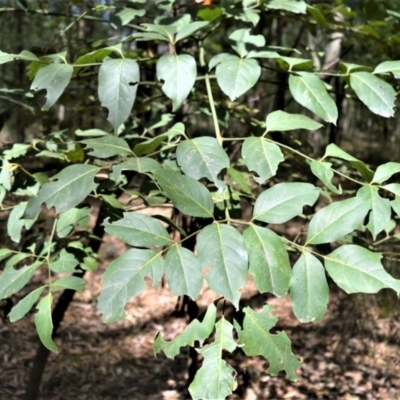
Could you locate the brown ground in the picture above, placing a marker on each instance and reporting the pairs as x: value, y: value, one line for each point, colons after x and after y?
x: 352, y: 354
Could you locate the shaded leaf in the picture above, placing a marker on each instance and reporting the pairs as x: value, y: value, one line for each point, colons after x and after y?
x: 16, y: 222
x: 179, y: 74
x: 202, y: 157
x: 215, y: 379
x: 283, y: 201
x: 187, y: 195
x: 195, y: 331
x: 309, y: 290
x: 71, y: 218
x: 24, y: 305
x: 282, y: 121
x: 138, y: 230
x: 258, y: 341
x: 124, y: 278
x: 68, y: 282
x: 67, y: 189
x: 118, y: 82
x: 309, y: 91
x: 322, y: 170
x: 337, y: 220
x: 54, y: 78
x: 190, y: 29
x: 183, y: 271
x: 356, y: 269
x: 149, y: 146
x: 261, y: 156
x: 374, y: 92
x: 44, y: 323
x: 107, y: 146
x: 294, y: 6
x: 385, y: 171
x: 268, y: 260
x: 221, y: 249
x: 242, y: 41
x: 65, y: 262
x: 138, y: 164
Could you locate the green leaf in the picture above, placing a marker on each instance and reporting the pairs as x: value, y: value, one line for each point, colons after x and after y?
x: 333, y: 151
x: 261, y: 156
x: 215, y: 379
x: 15, y: 222
x: 107, y: 146
x: 309, y: 91
x: 6, y: 57
x: 356, y: 269
x: 322, y: 170
x: 190, y: 29
x: 235, y: 76
x: 309, y: 290
x: 138, y: 164
x: 187, y: 195
x: 374, y: 92
x: 183, y: 271
x: 337, y: 220
x: 202, y: 157
x: 68, y: 282
x: 23, y: 307
x: 65, y: 262
x: 268, y: 260
x: 118, y: 82
x: 282, y: 121
x: 394, y: 203
x: 243, y: 42
x: 125, y: 15
x: 18, y: 150
x: 54, y: 78
x: 221, y: 249
x: 90, y: 133
x: 195, y: 331
x: 239, y: 178
x: 393, y: 187
x: 124, y: 278
x: 294, y: 6
x: 294, y: 63
x: 283, y: 201
x: 4, y: 253
x: 72, y: 185
x: 148, y: 146
x: 179, y: 75
x: 385, y: 171
x: 44, y: 323
x: 13, y: 280
x: 138, y: 230
x: 388, y: 66
x: 71, y: 218
x: 380, y: 213
x: 258, y: 341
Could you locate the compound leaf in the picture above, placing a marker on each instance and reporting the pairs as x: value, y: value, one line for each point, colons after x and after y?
x: 282, y: 121
x: 25, y: 304
x: 44, y: 323
x: 322, y: 170
x: 385, y: 171
x: 107, y: 146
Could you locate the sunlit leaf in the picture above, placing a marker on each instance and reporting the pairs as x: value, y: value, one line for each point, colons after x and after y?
x: 257, y: 340
x: 221, y: 249
x: 183, y: 271
x: 124, y: 278
x: 294, y: 6
x: 385, y: 171
x: 309, y: 91
x: 337, y: 220
x: 309, y: 291
x: 67, y: 189
x: 54, y: 78
x: 385, y: 67
x: 118, y: 82
x: 283, y: 201
x: 44, y: 323
x: 268, y: 260
x: 355, y: 269
x: 202, y: 157
x: 215, y: 379
x: 178, y: 73
x: 262, y: 157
